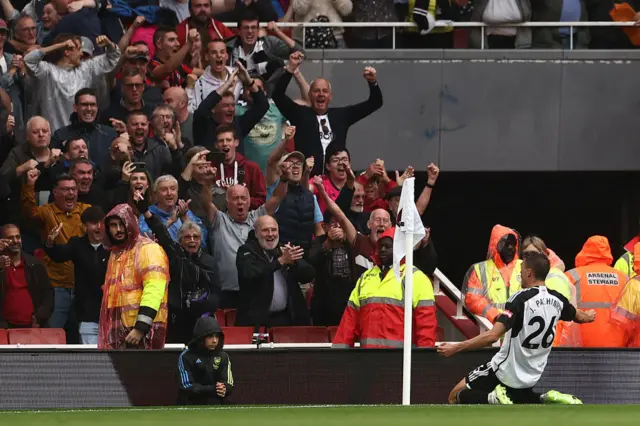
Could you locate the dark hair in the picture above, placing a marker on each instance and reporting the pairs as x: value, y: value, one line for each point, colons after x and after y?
x: 333, y: 152
x: 132, y: 72
x: 64, y: 177
x: 82, y: 92
x: 538, y: 263
x: 166, y: 18
x: 160, y: 33
x: 191, y: 152
x: 226, y: 129
x: 74, y: 164
x: 248, y: 15
x: 57, y: 55
x: 66, y: 145
x: 189, y: 3
x: 7, y: 226
x: 93, y: 214
x: 136, y: 112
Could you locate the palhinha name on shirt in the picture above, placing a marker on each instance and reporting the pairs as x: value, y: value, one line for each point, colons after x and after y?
x: 548, y: 301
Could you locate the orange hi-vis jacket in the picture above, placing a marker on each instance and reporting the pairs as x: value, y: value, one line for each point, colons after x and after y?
x: 597, y: 287
x: 625, y: 313
x: 375, y: 312
x: 486, y: 284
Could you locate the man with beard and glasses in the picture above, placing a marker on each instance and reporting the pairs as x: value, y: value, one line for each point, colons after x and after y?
x: 321, y: 129
x: 375, y: 313
x: 220, y: 108
x: 269, y: 276
x: 202, y: 21
x: 229, y: 230
x: 166, y: 128
x: 26, y: 297
x: 215, y: 75
x: 194, y: 287
x: 61, y: 79
x: 165, y: 191
x: 159, y: 159
x: 84, y: 124
x: 89, y: 259
x: 66, y: 210
x: 134, y: 303
x: 486, y: 284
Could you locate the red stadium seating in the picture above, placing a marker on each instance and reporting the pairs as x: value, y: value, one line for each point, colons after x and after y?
x: 332, y: 333
x: 237, y: 335
x: 4, y: 339
x: 230, y: 317
x: 37, y: 336
x: 299, y: 335
x: 221, y: 318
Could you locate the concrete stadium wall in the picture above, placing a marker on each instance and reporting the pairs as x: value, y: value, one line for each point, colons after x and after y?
x: 491, y: 110
x: 84, y: 379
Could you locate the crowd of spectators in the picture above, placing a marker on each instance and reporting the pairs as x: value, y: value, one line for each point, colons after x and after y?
x: 153, y: 175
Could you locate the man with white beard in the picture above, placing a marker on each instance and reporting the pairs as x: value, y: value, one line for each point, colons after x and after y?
x: 269, y: 275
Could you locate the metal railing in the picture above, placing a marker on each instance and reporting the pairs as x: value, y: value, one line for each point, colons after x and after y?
x: 448, y: 24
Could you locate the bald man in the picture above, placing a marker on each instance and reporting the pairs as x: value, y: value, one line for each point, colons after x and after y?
x: 319, y: 128
x: 269, y: 276
x: 179, y: 101
x: 229, y: 230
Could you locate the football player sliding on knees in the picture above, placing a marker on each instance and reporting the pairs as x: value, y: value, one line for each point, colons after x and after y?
x: 528, y: 325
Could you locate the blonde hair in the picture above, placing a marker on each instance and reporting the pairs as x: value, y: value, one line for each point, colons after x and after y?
x: 535, y: 241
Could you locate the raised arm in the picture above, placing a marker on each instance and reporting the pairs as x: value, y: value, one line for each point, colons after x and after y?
x: 285, y: 104
x: 349, y: 230
x: 34, y: 59
x: 423, y: 200
x: 161, y: 72
x: 361, y: 110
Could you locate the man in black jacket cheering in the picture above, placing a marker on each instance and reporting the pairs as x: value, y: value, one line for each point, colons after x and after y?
x: 269, y: 275
x: 318, y: 126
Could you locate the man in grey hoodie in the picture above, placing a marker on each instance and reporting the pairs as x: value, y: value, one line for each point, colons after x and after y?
x: 61, y: 79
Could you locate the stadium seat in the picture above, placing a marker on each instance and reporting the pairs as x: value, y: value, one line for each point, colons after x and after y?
x: 332, y: 333
x: 299, y: 335
x: 4, y: 339
x: 230, y: 317
x: 220, y: 317
x: 237, y: 335
x: 37, y: 336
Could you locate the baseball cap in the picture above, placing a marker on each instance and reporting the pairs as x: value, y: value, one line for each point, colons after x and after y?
x: 3, y: 26
x: 296, y: 154
x: 87, y: 46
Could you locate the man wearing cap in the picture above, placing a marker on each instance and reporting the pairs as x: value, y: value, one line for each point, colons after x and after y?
x: 299, y: 216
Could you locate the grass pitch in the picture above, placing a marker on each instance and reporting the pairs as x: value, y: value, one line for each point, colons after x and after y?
x: 597, y: 415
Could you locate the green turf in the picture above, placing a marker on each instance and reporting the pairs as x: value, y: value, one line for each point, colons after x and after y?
x: 600, y: 415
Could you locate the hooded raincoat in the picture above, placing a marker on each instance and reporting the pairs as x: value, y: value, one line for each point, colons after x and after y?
x: 625, y: 313
x: 199, y: 369
x: 597, y: 287
x: 486, y: 286
x: 135, y: 290
x: 375, y: 312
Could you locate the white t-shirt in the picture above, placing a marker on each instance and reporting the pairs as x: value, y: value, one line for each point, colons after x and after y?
x: 326, y: 135
x: 530, y: 316
x: 501, y: 12
x: 3, y: 65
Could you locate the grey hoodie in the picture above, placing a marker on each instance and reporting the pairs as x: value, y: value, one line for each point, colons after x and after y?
x: 206, y: 84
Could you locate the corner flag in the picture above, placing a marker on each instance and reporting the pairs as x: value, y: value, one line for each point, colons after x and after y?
x: 409, y: 228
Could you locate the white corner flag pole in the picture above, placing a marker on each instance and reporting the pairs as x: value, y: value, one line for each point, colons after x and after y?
x: 409, y: 229
x: 408, y: 320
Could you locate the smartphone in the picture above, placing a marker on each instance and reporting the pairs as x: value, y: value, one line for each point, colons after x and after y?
x: 139, y: 165
x: 215, y: 158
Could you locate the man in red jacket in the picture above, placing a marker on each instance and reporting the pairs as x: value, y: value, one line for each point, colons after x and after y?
x: 201, y: 20
x: 248, y: 172
x: 375, y: 312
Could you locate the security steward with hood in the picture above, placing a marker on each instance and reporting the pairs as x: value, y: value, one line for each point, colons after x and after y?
x: 486, y: 284
x: 194, y: 288
x: 204, y: 369
x: 269, y: 275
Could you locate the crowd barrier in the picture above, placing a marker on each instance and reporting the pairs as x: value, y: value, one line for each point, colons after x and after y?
x: 38, y: 379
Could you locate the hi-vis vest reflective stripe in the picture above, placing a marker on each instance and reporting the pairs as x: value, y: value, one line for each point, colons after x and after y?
x: 579, y: 291
x: 433, y: 9
x: 625, y: 265
x: 494, y: 287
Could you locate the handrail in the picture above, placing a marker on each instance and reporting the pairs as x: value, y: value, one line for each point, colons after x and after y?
x: 446, y: 24
x: 441, y: 279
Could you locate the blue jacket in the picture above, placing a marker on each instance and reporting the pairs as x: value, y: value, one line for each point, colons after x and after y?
x: 173, y: 229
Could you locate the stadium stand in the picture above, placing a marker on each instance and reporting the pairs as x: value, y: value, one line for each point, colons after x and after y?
x: 4, y: 338
x: 299, y: 335
x: 237, y: 335
x: 36, y: 336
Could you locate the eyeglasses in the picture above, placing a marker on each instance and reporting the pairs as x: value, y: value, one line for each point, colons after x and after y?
x: 191, y: 237
x: 339, y: 160
x: 295, y: 163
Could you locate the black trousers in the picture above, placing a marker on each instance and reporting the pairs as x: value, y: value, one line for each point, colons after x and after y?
x: 483, y: 380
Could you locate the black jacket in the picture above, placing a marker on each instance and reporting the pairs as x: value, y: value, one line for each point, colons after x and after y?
x: 159, y: 159
x: 39, y: 286
x: 255, y: 278
x: 295, y: 217
x: 89, y: 268
x: 307, y: 139
x: 97, y: 136
x: 200, y: 369
x: 204, y: 126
